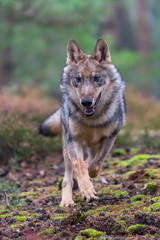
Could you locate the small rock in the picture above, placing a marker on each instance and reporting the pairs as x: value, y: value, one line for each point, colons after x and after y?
x: 55, y: 167
x: 38, y: 210
x: 42, y: 173
x: 115, y: 181
x: 102, y: 179
x: 131, y: 186
x: 9, y: 219
x: 28, y: 200
x: 151, y: 161
x: 121, y: 171
x: 102, y: 214
x: 29, y: 175
x: 44, y: 216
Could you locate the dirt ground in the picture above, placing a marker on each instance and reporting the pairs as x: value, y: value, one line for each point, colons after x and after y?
x: 128, y: 206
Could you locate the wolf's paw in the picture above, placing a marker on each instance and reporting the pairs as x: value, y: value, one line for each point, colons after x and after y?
x: 93, y: 170
x: 87, y: 190
x: 67, y: 202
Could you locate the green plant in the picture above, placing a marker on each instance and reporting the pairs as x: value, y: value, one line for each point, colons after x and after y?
x: 10, y: 192
x: 151, y: 187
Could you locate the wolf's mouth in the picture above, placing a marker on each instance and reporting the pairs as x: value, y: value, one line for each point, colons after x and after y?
x: 90, y: 111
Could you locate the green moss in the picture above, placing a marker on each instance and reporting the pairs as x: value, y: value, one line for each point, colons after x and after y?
x: 155, y: 206
x: 105, y: 190
x: 156, y: 213
x: 114, y: 162
x: 137, y: 160
x: 92, y: 233
x: 146, y: 209
x: 134, y: 228
x: 23, y: 194
x: 107, y: 172
x: 118, y: 152
x: 128, y: 173
x: 156, y: 199
x: 151, y: 187
x: 121, y: 224
x: 47, y: 232
x: 23, y: 213
x: 20, y: 218
x: 59, y: 217
x: 34, y: 215
x: 103, y: 208
x: 96, y: 211
x: 90, y: 212
x: 59, y: 183
x: 148, y: 236
x: 79, y: 199
x: 36, y: 181
x: 14, y: 226
x: 79, y: 238
x: 5, y: 215
x: 133, y: 150
x: 78, y: 218
x: 138, y: 198
x: 148, y: 175
x: 119, y: 193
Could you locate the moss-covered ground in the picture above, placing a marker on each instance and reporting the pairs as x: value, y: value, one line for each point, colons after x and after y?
x: 128, y: 205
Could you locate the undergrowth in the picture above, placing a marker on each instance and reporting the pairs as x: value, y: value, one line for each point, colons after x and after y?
x: 22, y: 111
x: 20, y: 116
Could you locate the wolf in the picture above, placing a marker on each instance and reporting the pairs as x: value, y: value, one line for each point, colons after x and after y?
x: 91, y: 115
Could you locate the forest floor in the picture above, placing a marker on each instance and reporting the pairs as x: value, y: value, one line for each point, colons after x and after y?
x: 128, y: 206
x: 31, y: 171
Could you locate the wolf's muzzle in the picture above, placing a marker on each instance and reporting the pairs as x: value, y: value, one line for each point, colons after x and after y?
x: 89, y: 108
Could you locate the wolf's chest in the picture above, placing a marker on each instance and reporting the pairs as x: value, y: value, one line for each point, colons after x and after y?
x: 87, y: 136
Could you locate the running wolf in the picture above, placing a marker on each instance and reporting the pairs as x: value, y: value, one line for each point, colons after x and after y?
x: 91, y: 115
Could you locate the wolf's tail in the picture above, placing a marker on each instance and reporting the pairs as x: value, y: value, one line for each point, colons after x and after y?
x: 51, y: 126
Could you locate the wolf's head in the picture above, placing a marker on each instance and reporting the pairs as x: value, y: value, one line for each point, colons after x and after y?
x: 88, y: 77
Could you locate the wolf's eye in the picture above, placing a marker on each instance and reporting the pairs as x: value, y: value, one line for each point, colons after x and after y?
x: 78, y: 79
x: 97, y: 79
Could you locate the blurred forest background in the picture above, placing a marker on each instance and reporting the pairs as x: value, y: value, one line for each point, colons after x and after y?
x: 34, y: 35
x: 33, y: 39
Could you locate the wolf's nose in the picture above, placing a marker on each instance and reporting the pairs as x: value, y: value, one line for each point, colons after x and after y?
x: 86, y: 102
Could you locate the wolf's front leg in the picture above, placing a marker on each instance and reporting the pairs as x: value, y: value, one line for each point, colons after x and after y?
x: 81, y: 172
x: 84, y: 183
x: 67, y: 183
x: 73, y: 157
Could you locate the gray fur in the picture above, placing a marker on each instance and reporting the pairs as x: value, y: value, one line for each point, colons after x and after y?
x: 87, y: 137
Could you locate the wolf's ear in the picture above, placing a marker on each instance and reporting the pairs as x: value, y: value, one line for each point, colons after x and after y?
x: 74, y: 54
x: 101, y: 52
